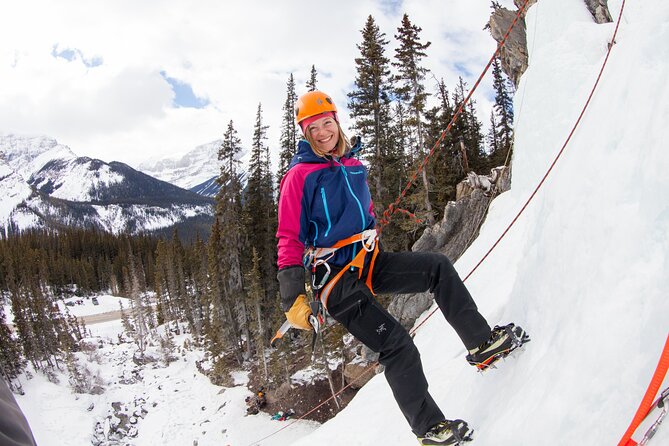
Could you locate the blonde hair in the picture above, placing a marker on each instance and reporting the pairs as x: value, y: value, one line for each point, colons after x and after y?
x: 343, y: 146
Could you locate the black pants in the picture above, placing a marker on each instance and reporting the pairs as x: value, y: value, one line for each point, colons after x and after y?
x: 353, y: 305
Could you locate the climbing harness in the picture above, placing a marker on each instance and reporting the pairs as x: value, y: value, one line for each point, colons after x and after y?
x: 316, y: 257
x: 319, y: 257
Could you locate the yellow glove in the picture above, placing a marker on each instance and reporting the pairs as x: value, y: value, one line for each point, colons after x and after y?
x: 299, y: 313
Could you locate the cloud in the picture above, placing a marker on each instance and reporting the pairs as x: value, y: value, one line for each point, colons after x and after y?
x: 129, y: 80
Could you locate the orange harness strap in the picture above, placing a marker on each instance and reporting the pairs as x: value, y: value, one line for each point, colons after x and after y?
x: 369, y: 242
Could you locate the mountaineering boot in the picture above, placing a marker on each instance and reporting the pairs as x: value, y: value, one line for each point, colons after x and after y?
x: 503, y: 341
x: 454, y: 433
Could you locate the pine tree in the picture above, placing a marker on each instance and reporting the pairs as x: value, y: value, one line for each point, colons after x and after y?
x: 311, y: 83
x: 369, y: 104
x: 256, y: 294
x: 503, y: 108
x: 128, y: 327
x: 411, y: 91
x: 492, y: 139
x: 167, y: 347
x: 11, y: 361
x: 216, y: 327
x: 231, y: 215
x: 79, y: 377
x: 288, y: 143
x: 199, y: 271
x: 397, y: 231
x: 163, y: 310
x: 183, y: 297
x: 137, y: 304
x: 260, y: 211
x: 467, y: 128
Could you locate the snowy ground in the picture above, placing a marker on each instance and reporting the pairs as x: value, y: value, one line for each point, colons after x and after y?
x: 585, y: 270
x: 82, y: 306
x: 182, y: 406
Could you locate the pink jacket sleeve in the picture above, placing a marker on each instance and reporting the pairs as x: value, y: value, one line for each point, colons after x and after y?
x: 290, y: 248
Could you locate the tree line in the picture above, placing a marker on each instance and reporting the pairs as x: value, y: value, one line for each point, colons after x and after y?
x: 223, y: 290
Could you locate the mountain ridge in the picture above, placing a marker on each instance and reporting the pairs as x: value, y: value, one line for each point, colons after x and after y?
x: 44, y: 184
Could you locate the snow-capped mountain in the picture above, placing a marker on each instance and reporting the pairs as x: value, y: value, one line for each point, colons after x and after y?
x: 14, y: 191
x: 195, y: 169
x: 27, y: 154
x: 43, y: 183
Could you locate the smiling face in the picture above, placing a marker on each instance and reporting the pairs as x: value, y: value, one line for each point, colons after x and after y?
x: 324, y: 134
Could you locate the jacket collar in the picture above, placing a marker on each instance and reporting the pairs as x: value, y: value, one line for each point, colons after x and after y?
x: 305, y: 154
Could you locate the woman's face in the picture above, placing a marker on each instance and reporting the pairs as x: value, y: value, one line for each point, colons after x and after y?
x: 324, y: 133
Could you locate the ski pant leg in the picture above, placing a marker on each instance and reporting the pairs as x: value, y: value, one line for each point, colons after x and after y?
x: 415, y: 272
x: 352, y: 304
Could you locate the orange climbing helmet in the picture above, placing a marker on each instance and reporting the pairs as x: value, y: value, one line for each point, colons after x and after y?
x: 312, y: 104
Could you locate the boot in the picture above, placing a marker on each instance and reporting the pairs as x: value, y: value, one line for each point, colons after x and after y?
x: 448, y: 432
x: 503, y: 340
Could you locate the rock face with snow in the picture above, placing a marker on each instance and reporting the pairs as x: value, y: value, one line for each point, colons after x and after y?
x: 514, y: 55
x: 599, y: 10
x: 44, y: 184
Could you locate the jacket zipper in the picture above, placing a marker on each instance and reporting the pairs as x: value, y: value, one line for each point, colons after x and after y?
x: 327, y: 212
x: 362, y: 213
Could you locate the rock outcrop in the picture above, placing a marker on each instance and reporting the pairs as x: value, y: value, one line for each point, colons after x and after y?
x: 453, y: 235
x: 599, y: 10
x: 513, y: 55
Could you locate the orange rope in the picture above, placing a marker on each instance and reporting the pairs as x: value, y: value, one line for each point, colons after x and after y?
x: 647, y: 401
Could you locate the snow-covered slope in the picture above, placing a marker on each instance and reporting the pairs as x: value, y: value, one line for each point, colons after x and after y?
x: 190, y: 170
x: 586, y: 267
x: 13, y: 191
x: 84, y: 178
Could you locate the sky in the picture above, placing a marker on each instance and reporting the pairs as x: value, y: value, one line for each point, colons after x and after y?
x: 585, y: 270
x: 132, y: 81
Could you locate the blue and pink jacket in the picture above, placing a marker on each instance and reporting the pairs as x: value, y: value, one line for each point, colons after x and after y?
x: 322, y: 201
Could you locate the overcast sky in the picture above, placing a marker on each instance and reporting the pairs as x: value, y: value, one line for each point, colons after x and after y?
x: 130, y: 80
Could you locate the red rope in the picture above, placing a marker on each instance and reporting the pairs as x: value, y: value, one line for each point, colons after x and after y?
x: 647, y: 401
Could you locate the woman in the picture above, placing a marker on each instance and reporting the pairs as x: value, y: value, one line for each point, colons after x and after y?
x: 325, y: 206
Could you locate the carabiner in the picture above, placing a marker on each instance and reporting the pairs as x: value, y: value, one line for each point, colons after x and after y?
x: 325, y: 277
